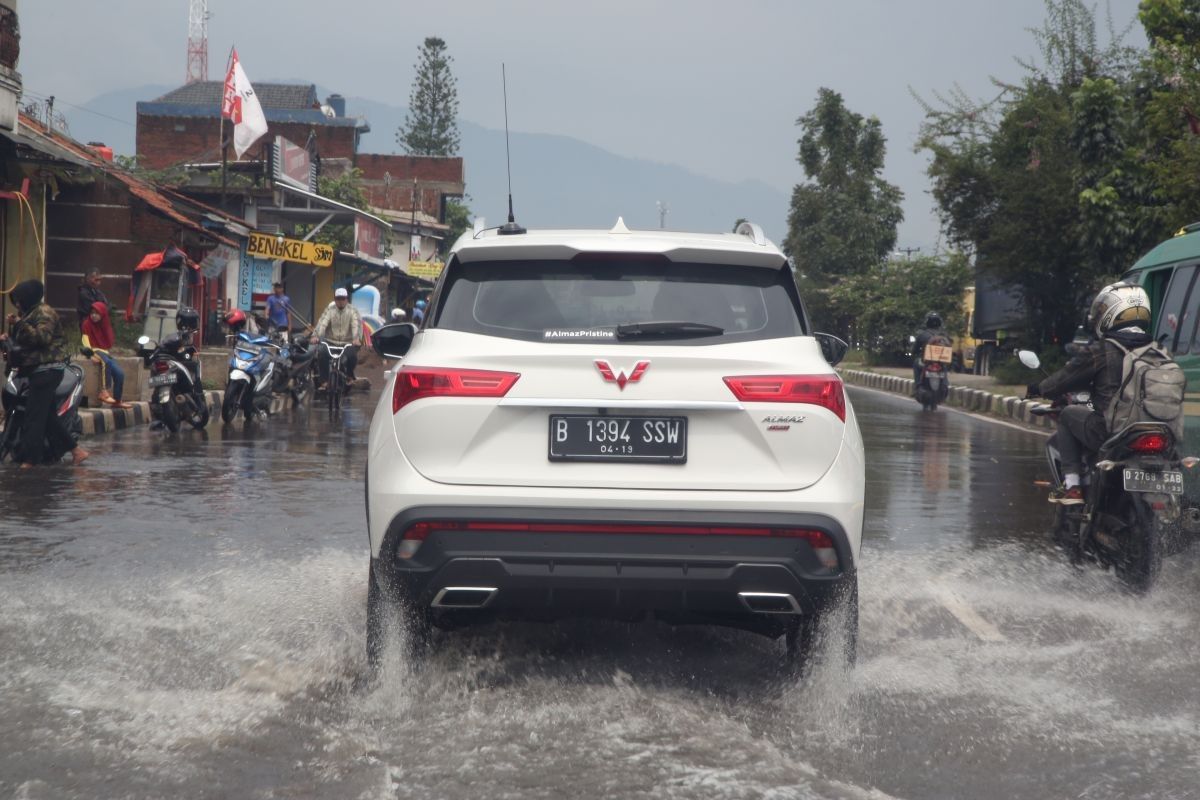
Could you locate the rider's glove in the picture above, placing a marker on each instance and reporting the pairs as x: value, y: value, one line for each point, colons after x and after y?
x: 1033, y: 390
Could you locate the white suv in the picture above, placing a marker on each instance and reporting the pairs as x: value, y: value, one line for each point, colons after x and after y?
x: 615, y: 423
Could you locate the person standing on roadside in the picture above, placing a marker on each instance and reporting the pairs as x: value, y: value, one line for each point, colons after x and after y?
x: 279, y: 310
x: 89, y: 294
x: 39, y: 350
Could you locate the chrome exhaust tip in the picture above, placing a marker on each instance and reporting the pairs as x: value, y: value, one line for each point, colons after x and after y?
x: 464, y: 597
x: 769, y: 603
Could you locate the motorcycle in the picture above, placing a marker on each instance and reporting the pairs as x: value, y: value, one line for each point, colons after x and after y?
x: 1134, y: 513
x: 67, y: 397
x: 933, y: 382
x: 176, y: 392
x: 294, y: 363
x: 251, y: 377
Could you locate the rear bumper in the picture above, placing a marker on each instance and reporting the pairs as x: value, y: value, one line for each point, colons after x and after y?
x: 679, y: 578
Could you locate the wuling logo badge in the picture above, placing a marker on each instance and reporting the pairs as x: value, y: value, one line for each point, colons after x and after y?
x: 620, y: 378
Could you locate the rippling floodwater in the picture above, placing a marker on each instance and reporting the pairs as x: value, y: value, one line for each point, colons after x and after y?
x: 185, y: 616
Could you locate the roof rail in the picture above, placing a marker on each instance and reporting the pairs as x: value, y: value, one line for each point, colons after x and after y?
x: 753, y: 231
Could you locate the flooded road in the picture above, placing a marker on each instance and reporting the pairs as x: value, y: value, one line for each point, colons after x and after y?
x: 185, y: 617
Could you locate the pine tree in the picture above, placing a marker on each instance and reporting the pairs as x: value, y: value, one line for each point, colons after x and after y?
x: 431, y: 126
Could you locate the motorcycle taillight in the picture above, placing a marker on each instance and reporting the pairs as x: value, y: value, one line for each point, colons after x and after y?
x: 161, y: 367
x: 1149, y: 443
x: 934, y: 367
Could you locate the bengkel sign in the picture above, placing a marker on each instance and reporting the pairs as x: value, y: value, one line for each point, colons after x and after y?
x: 265, y: 245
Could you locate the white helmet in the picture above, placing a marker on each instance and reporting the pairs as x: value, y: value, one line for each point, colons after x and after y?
x: 1117, y: 306
x: 398, y: 314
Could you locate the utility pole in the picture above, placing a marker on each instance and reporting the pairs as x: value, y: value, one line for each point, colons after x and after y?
x: 663, y: 210
x: 908, y: 251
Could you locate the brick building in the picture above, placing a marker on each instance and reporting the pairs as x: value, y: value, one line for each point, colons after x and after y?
x: 183, y: 126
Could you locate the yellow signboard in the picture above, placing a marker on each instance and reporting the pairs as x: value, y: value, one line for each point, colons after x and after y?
x: 264, y: 245
x: 424, y: 269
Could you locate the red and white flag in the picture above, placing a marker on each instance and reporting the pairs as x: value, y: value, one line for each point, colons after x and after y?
x: 240, y: 106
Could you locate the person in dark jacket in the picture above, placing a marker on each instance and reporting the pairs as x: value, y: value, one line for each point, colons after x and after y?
x: 933, y: 328
x: 39, y: 348
x: 89, y: 295
x: 1120, y: 313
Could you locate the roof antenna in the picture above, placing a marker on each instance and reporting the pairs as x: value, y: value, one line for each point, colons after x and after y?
x: 511, y: 227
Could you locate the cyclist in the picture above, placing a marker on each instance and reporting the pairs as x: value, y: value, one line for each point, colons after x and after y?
x: 340, y: 324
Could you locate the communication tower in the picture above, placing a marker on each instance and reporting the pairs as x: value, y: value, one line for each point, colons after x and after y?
x: 197, y: 48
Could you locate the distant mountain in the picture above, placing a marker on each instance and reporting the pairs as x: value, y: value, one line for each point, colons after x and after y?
x: 558, y: 181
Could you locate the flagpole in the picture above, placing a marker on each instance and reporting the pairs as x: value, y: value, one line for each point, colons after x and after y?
x: 224, y: 147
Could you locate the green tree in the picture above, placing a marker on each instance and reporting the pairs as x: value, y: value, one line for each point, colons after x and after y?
x: 842, y: 221
x: 458, y: 217
x: 1041, y: 183
x: 1169, y: 117
x: 431, y: 125
x: 889, y: 304
x: 345, y: 188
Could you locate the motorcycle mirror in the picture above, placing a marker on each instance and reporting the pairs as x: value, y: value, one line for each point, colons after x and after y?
x: 912, y: 340
x: 143, y: 341
x: 1029, y: 358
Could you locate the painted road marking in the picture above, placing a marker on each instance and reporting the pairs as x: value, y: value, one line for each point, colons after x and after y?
x: 952, y: 602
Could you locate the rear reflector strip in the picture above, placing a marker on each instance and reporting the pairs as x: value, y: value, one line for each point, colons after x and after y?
x: 818, y: 390
x: 819, y: 540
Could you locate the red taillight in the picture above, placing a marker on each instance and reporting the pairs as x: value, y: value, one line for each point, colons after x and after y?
x: 817, y: 390
x: 415, y: 383
x: 160, y: 367
x: 1149, y: 443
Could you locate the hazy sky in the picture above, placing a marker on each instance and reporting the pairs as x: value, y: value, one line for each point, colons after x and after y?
x: 713, y: 86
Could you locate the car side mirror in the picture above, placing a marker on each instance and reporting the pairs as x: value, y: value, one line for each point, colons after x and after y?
x: 833, y: 348
x: 393, y: 341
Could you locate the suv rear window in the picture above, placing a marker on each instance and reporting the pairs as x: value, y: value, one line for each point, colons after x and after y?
x: 608, y: 299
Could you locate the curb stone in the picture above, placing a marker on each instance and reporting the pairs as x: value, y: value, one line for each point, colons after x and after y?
x: 106, y: 420
x: 977, y: 400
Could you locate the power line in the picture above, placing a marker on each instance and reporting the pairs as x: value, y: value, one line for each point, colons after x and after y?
x: 58, y: 100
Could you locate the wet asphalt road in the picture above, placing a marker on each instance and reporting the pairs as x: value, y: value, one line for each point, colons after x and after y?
x: 184, y: 618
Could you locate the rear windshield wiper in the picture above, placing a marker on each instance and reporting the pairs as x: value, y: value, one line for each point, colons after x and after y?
x: 633, y: 329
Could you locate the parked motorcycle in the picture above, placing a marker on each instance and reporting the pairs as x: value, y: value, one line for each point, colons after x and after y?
x: 295, y: 362
x: 1134, y: 511
x: 176, y: 391
x: 13, y: 399
x: 933, y: 383
x: 251, y: 377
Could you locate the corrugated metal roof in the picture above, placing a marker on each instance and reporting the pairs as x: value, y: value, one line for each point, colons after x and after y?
x: 80, y: 154
x: 270, y: 95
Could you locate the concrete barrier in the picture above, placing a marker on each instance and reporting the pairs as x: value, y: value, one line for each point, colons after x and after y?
x: 106, y: 420
x: 974, y: 400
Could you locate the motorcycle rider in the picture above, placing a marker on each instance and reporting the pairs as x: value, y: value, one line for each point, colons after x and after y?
x: 1120, y: 313
x: 419, y: 312
x: 933, y: 328
x: 39, y: 351
x: 341, y: 324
